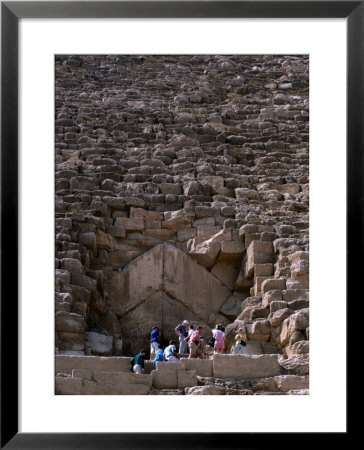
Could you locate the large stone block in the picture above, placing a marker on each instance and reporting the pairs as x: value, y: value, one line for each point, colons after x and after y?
x: 68, y: 386
x: 287, y: 383
x: 69, y: 322
x: 245, y: 367
x: 99, y: 344
x: 66, y: 363
x: 186, y: 378
x: 164, y: 379
x: 203, y: 294
x: 258, y: 252
x: 202, y: 367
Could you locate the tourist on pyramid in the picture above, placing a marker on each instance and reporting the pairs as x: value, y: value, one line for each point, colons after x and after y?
x: 170, y: 352
x: 219, y: 336
x: 154, y: 341
x: 239, y: 347
x: 182, y: 332
x: 159, y: 356
x: 190, y: 331
x: 138, y: 363
x: 194, y: 342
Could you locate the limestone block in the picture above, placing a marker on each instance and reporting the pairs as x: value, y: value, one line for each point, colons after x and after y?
x: 87, y: 239
x: 225, y: 272
x: 71, y: 265
x: 298, y: 283
x: 260, y: 331
x: 206, y: 211
x: 206, y: 231
x: 246, y: 194
x: 99, y: 344
x: 84, y: 183
x: 280, y: 315
x: 286, y: 383
x: 164, y: 379
x: 258, y: 252
x: 90, y: 387
x: 142, y: 277
x: 117, y: 203
x: 296, y: 364
x: 70, y: 337
x: 276, y: 305
x: 184, y: 234
x: 134, y: 202
x: 258, y: 282
x: 231, y: 307
x: 270, y: 296
x: 205, y: 390
x: 130, y: 224
x: 68, y: 386
x: 170, y: 188
x: 186, y: 378
x: 116, y: 231
x: 295, y: 294
x: 66, y: 363
x: 245, y: 366
x: 69, y: 322
x: 264, y: 384
x: 298, y: 321
x: 104, y: 241
x: 160, y: 234
x: 289, y: 188
x: 77, y: 292
x: 203, y: 293
x: 79, y: 279
x: 205, y: 251
x: 231, y: 250
x: 176, y: 222
x: 82, y: 373
x: 242, y: 283
x: 263, y: 270
x: 202, y: 367
x: 205, y: 221
x: 63, y: 276
x: 273, y: 284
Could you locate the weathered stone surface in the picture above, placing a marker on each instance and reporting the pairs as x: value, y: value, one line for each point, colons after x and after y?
x: 243, y: 366
x: 205, y: 390
x: 66, y: 363
x: 202, y: 367
x: 99, y: 344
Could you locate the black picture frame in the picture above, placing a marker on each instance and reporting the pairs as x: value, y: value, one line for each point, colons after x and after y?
x: 11, y: 12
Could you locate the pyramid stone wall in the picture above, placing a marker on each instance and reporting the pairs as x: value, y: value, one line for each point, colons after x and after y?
x: 182, y: 188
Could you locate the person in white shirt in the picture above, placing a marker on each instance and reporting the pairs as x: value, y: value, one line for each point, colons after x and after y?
x: 170, y: 352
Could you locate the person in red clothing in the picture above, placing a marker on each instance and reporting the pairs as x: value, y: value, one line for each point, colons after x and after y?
x: 194, y: 341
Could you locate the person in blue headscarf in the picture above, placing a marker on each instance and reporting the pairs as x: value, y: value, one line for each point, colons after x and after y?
x: 159, y: 356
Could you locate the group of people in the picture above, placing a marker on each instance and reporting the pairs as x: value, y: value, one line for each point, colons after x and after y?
x: 189, y: 339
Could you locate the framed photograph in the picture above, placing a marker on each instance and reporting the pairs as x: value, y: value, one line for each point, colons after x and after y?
x: 163, y: 153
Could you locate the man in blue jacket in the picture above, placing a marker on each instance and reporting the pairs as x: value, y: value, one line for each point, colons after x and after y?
x: 154, y: 341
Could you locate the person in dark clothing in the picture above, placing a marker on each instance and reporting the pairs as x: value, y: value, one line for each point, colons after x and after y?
x: 138, y: 365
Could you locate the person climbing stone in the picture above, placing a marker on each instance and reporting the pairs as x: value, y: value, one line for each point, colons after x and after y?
x: 154, y: 341
x: 170, y: 352
x: 182, y: 332
x: 239, y: 348
x: 194, y: 342
x: 138, y: 364
x: 159, y: 356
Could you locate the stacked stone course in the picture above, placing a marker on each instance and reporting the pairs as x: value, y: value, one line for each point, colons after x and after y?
x: 174, y: 174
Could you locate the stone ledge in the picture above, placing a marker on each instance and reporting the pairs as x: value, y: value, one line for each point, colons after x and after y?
x: 244, y: 366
